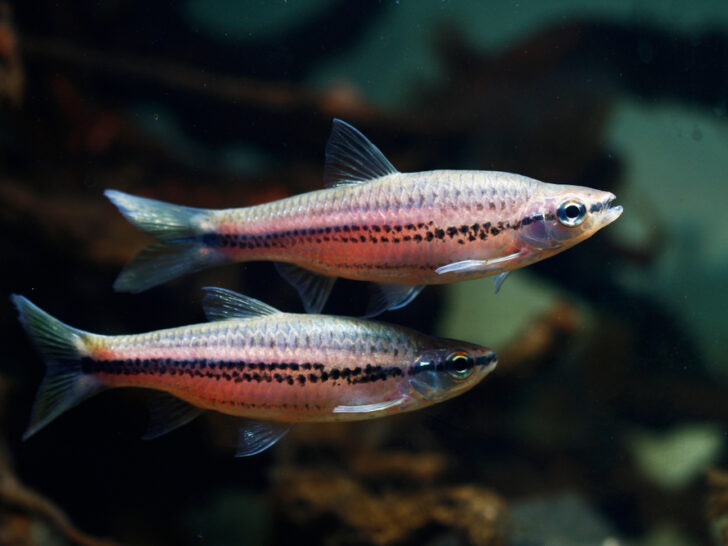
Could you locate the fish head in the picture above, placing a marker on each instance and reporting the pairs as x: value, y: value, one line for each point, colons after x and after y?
x: 442, y: 373
x: 558, y: 217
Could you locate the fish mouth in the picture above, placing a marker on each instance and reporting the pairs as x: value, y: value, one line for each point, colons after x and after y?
x: 487, y: 362
x: 611, y: 213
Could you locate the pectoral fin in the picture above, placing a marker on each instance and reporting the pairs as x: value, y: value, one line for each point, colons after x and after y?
x: 370, y: 408
x: 479, y: 266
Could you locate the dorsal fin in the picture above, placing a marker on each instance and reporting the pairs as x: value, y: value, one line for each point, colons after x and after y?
x: 351, y: 158
x: 224, y: 304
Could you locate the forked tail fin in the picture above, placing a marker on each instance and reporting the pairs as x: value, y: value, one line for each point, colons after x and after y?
x: 179, y: 251
x: 62, y: 347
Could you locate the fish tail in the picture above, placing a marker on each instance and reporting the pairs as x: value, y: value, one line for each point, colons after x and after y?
x: 179, y: 250
x: 62, y: 347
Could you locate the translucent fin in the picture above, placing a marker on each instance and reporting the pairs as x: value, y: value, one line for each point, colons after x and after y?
x: 179, y: 251
x: 313, y: 288
x: 223, y: 304
x: 351, y: 158
x: 167, y: 413
x: 481, y: 266
x: 499, y: 279
x: 465, y: 266
x: 370, y: 408
x: 162, y: 262
x: 61, y: 346
x: 161, y: 220
x: 257, y: 436
x: 388, y: 297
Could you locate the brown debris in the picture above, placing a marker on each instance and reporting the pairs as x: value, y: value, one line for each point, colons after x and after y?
x: 392, y: 517
x: 12, y: 76
x: 420, y: 467
x: 717, y: 510
x: 542, y: 336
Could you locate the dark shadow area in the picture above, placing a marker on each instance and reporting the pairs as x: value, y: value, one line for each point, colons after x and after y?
x: 557, y: 415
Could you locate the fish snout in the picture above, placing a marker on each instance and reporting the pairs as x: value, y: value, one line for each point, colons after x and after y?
x: 611, y: 213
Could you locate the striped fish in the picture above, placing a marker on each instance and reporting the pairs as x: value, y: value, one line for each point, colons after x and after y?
x: 255, y: 362
x: 372, y: 223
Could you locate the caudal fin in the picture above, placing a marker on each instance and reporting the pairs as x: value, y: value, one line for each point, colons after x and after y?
x: 62, y: 347
x: 179, y: 250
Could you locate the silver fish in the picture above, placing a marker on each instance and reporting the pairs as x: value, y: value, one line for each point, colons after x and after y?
x: 402, y: 231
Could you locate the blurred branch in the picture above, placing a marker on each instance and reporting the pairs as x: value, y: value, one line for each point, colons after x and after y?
x: 12, y: 77
x: 279, y: 96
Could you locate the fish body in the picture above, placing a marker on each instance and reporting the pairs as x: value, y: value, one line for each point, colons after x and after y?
x: 373, y: 223
x: 402, y: 227
x: 258, y: 363
x: 291, y: 367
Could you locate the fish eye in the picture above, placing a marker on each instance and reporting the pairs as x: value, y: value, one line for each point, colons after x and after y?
x: 571, y: 213
x: 460, y: 365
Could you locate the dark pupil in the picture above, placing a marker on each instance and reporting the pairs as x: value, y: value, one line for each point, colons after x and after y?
x: 572, y: 211
x: 461, y: 363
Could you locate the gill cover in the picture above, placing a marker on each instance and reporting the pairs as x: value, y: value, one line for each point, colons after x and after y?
x: 547, y: 225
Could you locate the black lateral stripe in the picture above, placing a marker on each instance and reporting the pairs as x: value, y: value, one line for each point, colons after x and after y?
x: 238, y: 371
x: 362, y: 233
x: 345, y: 233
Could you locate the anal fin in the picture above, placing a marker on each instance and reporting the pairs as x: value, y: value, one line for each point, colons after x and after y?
x: 388, y: 297
x: 257, y: 436
x: 313, y: 288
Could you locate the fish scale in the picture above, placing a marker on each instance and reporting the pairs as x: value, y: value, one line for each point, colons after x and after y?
x: 328, y: 252
x: 255, y: 362
x: 401, y: 230
x: 331, y: 343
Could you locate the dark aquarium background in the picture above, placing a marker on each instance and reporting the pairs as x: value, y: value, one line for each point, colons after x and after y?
x: 605, y: 422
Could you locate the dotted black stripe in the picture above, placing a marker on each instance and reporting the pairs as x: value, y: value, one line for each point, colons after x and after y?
x: 264, y: 405
x: 375, y: 234
x: 280, y: 372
